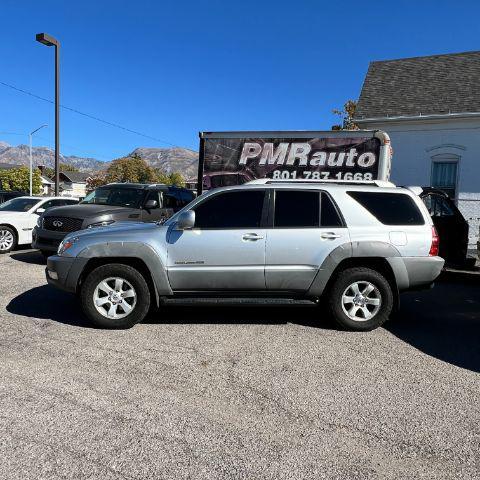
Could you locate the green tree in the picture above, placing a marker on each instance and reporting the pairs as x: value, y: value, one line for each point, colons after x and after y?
x: 162, y: 177
x: 347, y: 115
x: 176, y: 178
x: 130, y: 169
x: 19, y: 179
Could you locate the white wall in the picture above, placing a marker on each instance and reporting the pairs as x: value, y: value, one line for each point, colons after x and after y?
x: 414, y: 144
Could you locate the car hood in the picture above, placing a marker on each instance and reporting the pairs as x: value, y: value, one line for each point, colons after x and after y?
x: 120, y: 230
x: 86, y: 210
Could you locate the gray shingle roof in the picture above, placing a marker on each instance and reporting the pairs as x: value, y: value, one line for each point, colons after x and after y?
x: 437, y: 84
x: 76, y: 177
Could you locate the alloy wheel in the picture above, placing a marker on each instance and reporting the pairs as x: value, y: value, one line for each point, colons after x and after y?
x: 361, y: 301
x: 114, y: 298
x: 6, y: 240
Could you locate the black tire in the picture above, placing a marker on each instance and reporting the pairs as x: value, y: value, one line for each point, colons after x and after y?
x: 132, y: 276
x: 383, y: 291
x: 46, y: 253
x: 4, y: 230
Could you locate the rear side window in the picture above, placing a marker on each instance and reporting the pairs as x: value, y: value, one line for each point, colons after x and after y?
x: 305, y: 209
x: 297, y: 209
x: 390, y: 208
x: 231, y: 210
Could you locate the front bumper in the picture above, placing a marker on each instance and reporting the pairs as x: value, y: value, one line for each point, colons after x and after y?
x: 48, y: 240
x: 64, y: 272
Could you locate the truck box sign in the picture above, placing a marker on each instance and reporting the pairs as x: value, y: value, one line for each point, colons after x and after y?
x: 234, y: 160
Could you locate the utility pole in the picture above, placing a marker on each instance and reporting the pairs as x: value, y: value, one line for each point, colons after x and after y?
x: 50, y: 41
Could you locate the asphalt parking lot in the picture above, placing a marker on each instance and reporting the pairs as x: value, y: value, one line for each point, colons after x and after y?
x: 236, y: 391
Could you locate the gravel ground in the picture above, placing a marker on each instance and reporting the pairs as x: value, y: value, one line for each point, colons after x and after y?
x: 236, y: 391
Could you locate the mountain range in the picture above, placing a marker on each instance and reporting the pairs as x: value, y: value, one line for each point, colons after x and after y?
x: 175, y: 159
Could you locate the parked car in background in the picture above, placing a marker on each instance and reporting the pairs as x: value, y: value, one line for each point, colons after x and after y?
x: 451, y: 226
x: 18, y: 217
x: 115, y: 202
x: 355, y: 245
x: 6, y: 195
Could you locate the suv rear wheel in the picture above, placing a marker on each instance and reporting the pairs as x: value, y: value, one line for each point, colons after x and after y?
x: 115, y: 296
x: 360, y: 299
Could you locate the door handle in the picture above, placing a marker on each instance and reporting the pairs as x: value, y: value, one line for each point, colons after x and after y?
x: 252, y: 237
x: 330, y: 235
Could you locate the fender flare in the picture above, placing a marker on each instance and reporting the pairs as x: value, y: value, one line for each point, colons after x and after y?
x: 138, y: 250
x: 359, y: 249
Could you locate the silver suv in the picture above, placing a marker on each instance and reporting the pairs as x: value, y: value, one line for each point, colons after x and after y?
x: 354, y: 246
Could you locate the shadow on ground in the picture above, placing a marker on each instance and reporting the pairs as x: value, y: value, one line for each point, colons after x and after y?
x: 30, y: 256
x: 443, y: 322
x: 48, y: 303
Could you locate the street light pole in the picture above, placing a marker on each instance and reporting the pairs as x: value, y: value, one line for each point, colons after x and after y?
x: 50, y: 41
x: 31, y: 162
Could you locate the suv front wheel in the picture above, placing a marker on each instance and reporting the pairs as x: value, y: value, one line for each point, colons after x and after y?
x: 115, y: 296
x: 360, y: 299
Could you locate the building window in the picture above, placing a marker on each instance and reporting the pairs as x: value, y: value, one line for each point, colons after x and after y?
x: 445, y: 174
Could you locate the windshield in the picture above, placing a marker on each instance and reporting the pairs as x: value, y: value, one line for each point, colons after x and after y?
x: 19, y: 204
x: 122, y: 197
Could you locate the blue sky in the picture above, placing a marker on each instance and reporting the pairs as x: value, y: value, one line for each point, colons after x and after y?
x: 171, y: 68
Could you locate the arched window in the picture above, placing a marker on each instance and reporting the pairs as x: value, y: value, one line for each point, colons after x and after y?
x: 445, y: 173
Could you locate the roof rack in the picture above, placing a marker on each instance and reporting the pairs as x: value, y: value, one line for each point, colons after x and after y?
x: 269, y: 181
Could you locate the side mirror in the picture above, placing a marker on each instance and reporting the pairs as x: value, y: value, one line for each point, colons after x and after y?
x: 39, y: 211
x: 186, y: 220
x: 151, y: 204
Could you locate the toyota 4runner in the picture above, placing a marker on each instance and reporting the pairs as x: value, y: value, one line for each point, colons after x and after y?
x: 355, y: 246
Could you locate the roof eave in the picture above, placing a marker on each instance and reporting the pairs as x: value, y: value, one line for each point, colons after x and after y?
x: 437, y: 116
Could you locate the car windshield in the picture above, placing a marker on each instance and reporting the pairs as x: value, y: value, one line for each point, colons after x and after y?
x: 123, y: 197
x: 19, y: 204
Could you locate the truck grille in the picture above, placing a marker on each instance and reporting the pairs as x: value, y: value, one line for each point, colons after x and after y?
x: 62, y: 224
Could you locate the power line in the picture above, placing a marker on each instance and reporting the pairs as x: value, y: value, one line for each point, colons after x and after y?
x: 92, y: 117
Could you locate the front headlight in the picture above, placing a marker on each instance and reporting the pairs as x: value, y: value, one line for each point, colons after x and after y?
x: 65, y: 244
x: 101, y: 224
x: 39, y: 222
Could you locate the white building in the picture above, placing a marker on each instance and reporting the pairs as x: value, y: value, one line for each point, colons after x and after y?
x: 73, y: 184
x: 48, y: 186
x: 430, y: 107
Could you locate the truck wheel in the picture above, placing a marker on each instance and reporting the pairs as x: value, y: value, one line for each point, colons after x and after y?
x: 360, y: 299
x: 46, y: 253
x: 115, y: 296
x: 8, y: 239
